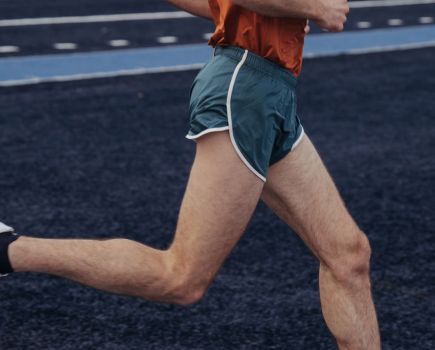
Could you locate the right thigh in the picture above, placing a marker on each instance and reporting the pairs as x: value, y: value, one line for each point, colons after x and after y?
x: 220, y: 198
x: 300, y: 190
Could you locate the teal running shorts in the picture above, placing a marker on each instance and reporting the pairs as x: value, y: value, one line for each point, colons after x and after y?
x: 251, y: 97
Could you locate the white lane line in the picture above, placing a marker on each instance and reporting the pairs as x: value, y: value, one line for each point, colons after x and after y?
x: 9, y: 49
x: 425, y: 20
x: 400, y: 47
x: 65, y: 46
x: 167, y: 39
x: 363, y: 24
x: 145, y: 16
x: 395, y: 22
x: 375, y: 49
x: 388, y: 3
x: 119, y: 43
x: 120, y: 73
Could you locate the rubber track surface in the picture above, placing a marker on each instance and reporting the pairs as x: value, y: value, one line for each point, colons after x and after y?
x: 108, y: 158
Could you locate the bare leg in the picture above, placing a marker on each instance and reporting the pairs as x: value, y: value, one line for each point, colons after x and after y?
x: 220, y: 198
x: 300, y: 190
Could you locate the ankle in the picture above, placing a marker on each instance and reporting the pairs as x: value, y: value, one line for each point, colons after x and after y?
x: 6, y: 241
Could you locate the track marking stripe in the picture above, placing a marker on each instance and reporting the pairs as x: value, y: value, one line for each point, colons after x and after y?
x: 368, y: 50
x: 145, y: 16
x: 9, y: 49
x: 114, y: 74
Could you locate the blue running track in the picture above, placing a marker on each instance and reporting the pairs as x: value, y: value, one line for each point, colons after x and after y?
x: 35, y: 69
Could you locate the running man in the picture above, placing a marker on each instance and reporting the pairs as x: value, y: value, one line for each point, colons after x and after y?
x: 250, y: 144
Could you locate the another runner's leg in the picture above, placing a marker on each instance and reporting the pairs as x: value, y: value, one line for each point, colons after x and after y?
x: 220, y: 198
x: 300, y: 190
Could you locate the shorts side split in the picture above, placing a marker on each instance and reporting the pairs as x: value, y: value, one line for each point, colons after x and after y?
x: 251, y: 97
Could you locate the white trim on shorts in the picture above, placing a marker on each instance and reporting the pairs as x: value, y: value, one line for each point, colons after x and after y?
x: 229, y: 115
x: 298, y: 141
x: 206, y: 131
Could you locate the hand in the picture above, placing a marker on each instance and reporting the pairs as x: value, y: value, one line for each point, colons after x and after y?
x: 332, y: 15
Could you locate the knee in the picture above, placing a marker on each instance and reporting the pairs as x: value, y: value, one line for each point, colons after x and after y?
x: 351, y: 265
x: 186, y: 291
x: 184, y: 285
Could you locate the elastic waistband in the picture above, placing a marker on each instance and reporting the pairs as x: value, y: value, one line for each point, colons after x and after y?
x: 255, y: 61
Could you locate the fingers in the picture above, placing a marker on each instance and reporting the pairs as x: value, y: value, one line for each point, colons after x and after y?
x: 334, y: 15
x: 339, y: 25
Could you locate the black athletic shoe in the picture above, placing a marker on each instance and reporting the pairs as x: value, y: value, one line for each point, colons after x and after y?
x: 6, y: 230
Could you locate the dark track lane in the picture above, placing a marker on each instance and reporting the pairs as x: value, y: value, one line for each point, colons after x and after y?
x: 380, y: 15
x: 108, y: 158
x: 34, y: 40
x: 47, y: 8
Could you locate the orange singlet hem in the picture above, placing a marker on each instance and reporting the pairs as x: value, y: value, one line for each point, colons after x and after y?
x: 280, y: 40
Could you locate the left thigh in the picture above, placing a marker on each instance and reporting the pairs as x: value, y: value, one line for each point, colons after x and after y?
x: 220, y: 197
x: 300, y: 190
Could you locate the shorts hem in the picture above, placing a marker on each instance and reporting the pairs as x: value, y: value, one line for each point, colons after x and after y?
x: 206, y: 131
x: 299, y: 139
x: 294, y: 146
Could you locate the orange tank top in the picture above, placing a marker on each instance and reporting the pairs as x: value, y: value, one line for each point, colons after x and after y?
x: 278, y: 39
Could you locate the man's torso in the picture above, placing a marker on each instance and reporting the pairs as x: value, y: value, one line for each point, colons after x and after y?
x: 278, y: 39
